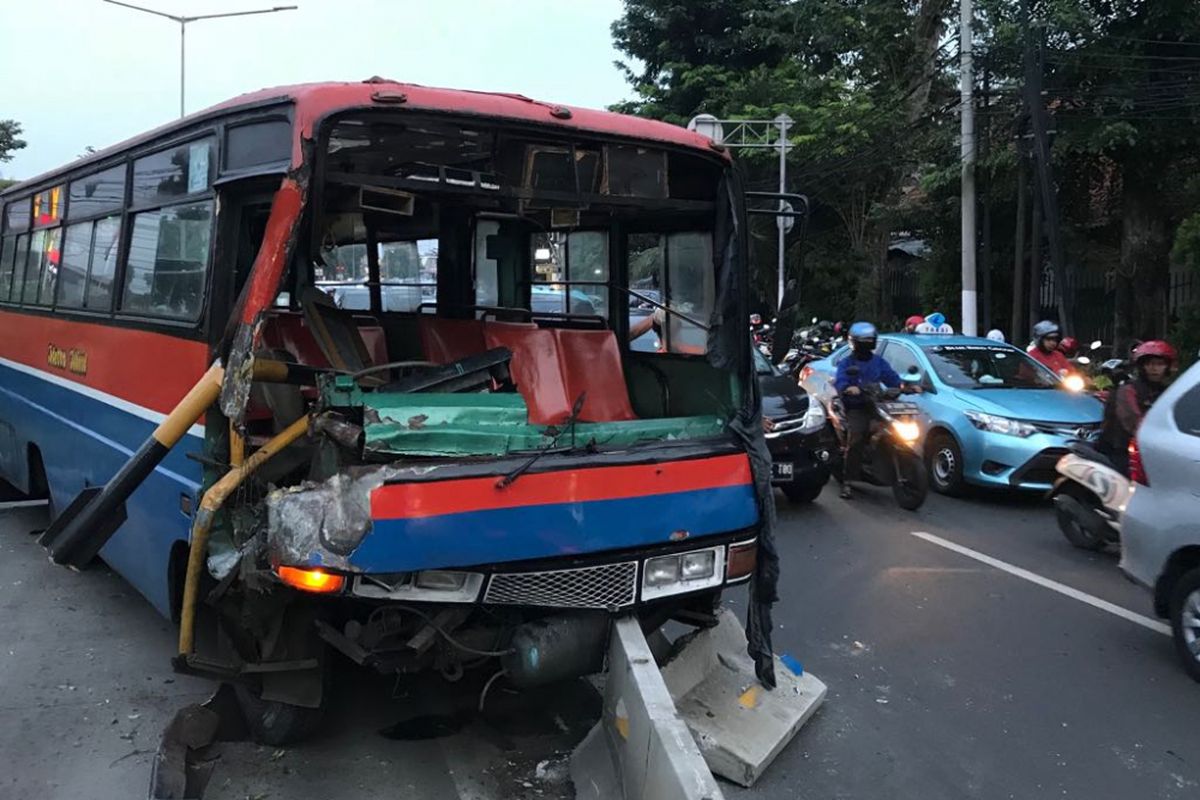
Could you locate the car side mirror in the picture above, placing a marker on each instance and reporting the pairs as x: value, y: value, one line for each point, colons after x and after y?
x: 912, y: 376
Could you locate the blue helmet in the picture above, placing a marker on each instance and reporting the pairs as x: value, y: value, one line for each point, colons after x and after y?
x: 864, y: 334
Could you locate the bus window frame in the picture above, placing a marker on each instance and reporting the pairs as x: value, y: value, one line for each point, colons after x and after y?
x: 215, y: 124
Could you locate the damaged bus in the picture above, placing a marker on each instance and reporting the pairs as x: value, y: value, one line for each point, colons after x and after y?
x: 347, y: 368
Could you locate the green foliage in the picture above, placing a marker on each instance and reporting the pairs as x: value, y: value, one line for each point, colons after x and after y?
x: 871, y: 85
x: 10, y: 139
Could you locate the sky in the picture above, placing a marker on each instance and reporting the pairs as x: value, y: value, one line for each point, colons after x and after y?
x: 79, y: 73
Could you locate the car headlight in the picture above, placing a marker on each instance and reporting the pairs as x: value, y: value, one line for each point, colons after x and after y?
x: 1074, y: 383
x: 908, y: 430
x: 814, y: 417
x: 995, y: 424
x: 663, y: 576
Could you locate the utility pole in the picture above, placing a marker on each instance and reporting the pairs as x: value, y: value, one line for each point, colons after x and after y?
x: 985, y: 196
x: 183, y: 21
x: 782, y: 223
x: 970, y: 326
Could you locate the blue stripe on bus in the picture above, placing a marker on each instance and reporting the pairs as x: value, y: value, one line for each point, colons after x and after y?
x: 544, y: 531
x: 83, y: 442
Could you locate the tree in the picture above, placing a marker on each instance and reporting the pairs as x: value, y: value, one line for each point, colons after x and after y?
x: 10, y: 141
x: 858, y: 77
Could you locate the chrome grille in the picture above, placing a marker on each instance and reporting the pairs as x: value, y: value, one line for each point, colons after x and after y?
x: 1085, y: 431
x: 601, y: 586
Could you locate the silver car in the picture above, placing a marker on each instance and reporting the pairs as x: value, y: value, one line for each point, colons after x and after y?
x: 1160, y: 533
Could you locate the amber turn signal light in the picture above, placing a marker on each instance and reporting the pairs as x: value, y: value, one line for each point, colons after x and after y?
x: 311, y: 580
x: 742, y: 559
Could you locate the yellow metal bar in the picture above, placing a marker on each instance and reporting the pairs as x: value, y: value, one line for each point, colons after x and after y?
x: 237, y: 446
x: 214, y: 498
x: 190, y: 408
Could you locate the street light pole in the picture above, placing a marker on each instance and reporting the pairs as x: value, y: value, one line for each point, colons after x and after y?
x: 183, y: 21
x: 182, y: 64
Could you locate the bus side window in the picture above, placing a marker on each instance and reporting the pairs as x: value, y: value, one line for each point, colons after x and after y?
x: 168, y: 259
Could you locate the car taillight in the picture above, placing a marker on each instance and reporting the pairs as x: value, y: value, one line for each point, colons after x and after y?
x: 1137, y: 470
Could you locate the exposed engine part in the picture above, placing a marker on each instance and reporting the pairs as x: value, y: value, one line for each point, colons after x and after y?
x: 556, y: 648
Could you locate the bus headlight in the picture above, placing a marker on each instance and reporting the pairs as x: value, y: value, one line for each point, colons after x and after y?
x: 663, y: 576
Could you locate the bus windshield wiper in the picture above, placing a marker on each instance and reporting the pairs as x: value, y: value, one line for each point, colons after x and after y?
x: 569, y: 423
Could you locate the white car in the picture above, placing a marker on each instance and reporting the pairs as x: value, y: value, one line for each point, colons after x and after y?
x: 1160, y: 532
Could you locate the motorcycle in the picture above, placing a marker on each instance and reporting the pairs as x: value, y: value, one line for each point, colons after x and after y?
x: 891, y: 456
x: 1089, y: 497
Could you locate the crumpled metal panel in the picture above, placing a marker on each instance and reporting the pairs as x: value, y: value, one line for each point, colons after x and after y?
x: 497, y: 424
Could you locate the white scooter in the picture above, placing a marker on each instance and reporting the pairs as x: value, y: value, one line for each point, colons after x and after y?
x: 1089, y: 496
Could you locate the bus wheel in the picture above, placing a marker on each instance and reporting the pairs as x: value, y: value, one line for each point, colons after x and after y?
x: 39, y: 484
x: 274, y: 723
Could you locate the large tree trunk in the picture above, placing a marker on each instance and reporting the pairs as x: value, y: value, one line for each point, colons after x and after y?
x: 1140, y: 308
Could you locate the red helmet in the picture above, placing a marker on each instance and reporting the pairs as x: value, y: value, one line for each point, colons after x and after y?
x: 914, y: 320
x: 1155, y: 348
x: 1069, y: 346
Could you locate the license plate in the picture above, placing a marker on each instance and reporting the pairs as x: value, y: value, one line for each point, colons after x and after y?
x: 782, y: 470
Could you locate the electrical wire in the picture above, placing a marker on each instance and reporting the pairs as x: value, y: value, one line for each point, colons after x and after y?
x: 483, y: 694
x: 383, y: 610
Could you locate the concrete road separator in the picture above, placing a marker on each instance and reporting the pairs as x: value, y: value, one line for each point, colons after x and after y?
x: 1054, y: 586
x: 640, y: 749
x: 663, y: 734
x: 739, y: 726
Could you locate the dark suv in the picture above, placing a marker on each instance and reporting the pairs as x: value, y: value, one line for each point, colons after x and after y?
x: 795, y: 431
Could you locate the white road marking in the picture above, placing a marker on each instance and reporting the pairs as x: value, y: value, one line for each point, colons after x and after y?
x: 1063, y: 589
x: 5, y: 506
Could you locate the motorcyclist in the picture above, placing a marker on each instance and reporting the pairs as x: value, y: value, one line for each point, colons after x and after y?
x: 1152, y: 362
x: 860, y: 368
x: 1044, y: 350
x: 910, y: 324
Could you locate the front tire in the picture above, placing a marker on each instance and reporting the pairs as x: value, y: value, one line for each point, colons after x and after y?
x: 273, y: 723
x: 945, y: 465
x: 1185, y: 621
x: 1068, y: 510
x: 912, y: 482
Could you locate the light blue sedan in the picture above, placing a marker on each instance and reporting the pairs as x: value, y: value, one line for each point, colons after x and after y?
x: 992, y: 416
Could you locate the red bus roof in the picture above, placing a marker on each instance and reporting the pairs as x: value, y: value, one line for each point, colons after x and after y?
x: 315, y: 100
x: 312, y: 101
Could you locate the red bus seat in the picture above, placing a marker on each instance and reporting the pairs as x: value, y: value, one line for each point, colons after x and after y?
x: 446, y: 340
x: 535, y: 369
x: 288, y: 330
x: 591, y: 362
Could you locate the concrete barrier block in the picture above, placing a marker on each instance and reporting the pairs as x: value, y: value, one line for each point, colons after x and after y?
x: 651, y: 752
x: 739, y: 726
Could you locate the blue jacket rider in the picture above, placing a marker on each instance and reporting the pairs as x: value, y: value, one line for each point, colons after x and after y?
x: 869, y: 368
x: 872, y: 368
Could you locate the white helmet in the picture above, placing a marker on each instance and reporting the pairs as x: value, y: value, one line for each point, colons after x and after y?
x: 996, y: 335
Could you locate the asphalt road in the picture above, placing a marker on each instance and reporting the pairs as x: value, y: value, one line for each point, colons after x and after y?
x: 948, y: 678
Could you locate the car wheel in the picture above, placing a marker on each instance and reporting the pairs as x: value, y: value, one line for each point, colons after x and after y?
x: 945, y: 464
x: 803, y: 493
x: 1185, y: 621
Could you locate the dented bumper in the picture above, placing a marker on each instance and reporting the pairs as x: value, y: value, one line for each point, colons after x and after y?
x: 393, y: 519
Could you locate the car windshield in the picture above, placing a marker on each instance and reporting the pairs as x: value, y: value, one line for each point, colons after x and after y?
x: 972, y: 366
